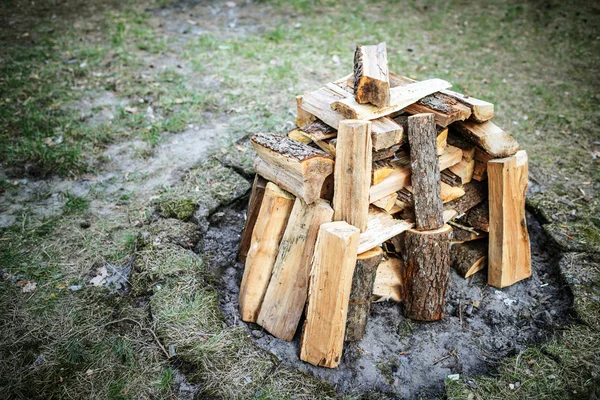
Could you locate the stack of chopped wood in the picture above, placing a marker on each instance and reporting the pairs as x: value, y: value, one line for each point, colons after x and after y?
x: 386, y: 183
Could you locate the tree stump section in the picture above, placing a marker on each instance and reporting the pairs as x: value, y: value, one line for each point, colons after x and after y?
x: 425, y: 172
x: 360, y: 295
x: 427, y: 271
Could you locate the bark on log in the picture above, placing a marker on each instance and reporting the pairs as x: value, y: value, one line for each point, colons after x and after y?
x: 256, y: 197
x: 469, y: 258
x: 427, y: 263
x: 479, y: 217
x: 475, y: 193
x: 359, y: 305
x: 425, y: 172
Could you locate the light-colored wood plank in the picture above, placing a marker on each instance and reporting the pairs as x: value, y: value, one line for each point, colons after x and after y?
x: 352, y: 173
x: 381, y: 227
x: 509, y: 249
x: 329, y: 292
x: 269, y: 228
x: 288, y: 289
x: 302, y: 116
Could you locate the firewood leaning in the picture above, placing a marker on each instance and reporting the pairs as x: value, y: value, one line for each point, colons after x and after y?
x: 360, y: 294
x: 329, y: 292
x: 269, y: 228
x: 352, y: 169
x: 256, y: 197
x: 371, y: 76
x: 510, y: 252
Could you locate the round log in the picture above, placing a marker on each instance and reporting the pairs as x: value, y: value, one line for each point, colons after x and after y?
x: 427, y: 263
x: 359, y: 305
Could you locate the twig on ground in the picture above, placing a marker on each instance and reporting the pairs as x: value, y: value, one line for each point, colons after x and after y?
x: 144, y: 329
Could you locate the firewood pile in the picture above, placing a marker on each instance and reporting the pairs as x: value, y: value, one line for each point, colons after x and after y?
x: 384, y: 186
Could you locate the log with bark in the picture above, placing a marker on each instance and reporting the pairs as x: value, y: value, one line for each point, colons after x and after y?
x: 469, y: 257
x: 479, y: 217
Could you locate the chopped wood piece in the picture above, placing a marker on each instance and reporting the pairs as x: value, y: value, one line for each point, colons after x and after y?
x: 445, y: 108
x: 328, y: 146
x: 387, y: 203
x: 352, y: 172
x: 389, y: 282
x: 318, y: 104
x: 461, y: 233
x: 425, y: 174
x: 509, y: 252
x: 427, y: 263
x: 371, y: 76
x: 299, y: 136
x: 468, y: 258
x: 479, y: 217
x: 481, y: 111
x: 488, y: 137
x: 441, y: 139
x: 468, y: 149
x: 464, y: 170
x: 480, y: 169
x: 297, y: 168
x: 381, y: 227
x: 400, y: 97
x: 408, y: 213
x: 266, y: 236
x: 302, y: 117
x: 288, y: 289
x: 318, y: 130
x: 359, y: 305
x: 451, y: 156
x: 329, y: 292
x: 475, y: 193
x: 388, y: 138
x: 450, y: 193
x: 380, y: 170
x: 450, y: 178
x: 256, y: 197
x: 385, y: 153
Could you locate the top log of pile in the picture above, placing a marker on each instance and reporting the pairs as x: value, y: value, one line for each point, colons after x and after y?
x: 360, y: 198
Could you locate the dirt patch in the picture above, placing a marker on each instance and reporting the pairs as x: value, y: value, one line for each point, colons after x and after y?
x: 406, y: 358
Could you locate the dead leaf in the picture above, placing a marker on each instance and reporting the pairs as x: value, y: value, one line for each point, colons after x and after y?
x: 98, y: 280
x: 29, y: 287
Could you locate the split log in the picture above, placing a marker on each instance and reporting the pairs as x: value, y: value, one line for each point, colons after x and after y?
x: 371, y: 75
x: 302, y: 116
x: 462, y: 233
x: 479, y: 217
x: 447, y: 194
x: 441, y: 140
x: 450, y: 178
x: 387, y: 203
x: 389, y: 280
x: 475, y: 193
x: 481, y: 111
x: 489, y: 137
x: 509, y: 251
x: 400, y: 97
x: 464, y: 170
x: 297, y: 168
x: 381, y: 227
x: 318, y: 130
x: 318, y: 104
x: 425, y: 174
x: 467, y: 148
x: 288, y: 289
x: 359, y: 305
x: 427, y: 263
x: 328, y: 146
x: 352, y: 172
x: 385, y: 153
x: 329, y: 292
x: 256, y: 198
x: 269, y: 228
x: 380, y: 170
x: 480, y: 169
x: 469, y: 258
x: 386, y: 139
x: 445, y: 108
x: 299, y: 136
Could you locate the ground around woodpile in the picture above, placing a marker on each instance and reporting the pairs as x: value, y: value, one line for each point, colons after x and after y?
x: 124, y: 176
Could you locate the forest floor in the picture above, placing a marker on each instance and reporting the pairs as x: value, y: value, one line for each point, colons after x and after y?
x: 125, y: 168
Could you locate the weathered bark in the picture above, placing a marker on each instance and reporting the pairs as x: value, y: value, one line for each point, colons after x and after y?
x: 479, y: 217
x: 469, y: 257
x: 425, y: 172
x: 427, y: 263
x: 475, y: 193
x: 256, y: 197
x: 359, y: 305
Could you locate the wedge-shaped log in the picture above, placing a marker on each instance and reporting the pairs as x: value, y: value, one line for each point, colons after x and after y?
x: 389, y: 280
x: 360, y: 294
x: 371, y: 75
x: 297, y: 168
x: 469, y: 257
x: 329, y: 292
x: 481, y: 111
x: 425, y: 175
x: 258, y: 191
x: 288, y: 289
x: 510, y: 251
x: 489, y: 137
x: 318, y: 104
x: 381, y: 227
x: 352, y: 172
x: 400, y: 97
x: 427, y: 262
x: 441, y: 140
x: 269, y: 228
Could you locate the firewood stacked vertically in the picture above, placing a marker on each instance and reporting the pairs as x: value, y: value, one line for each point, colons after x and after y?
x: 385, y: 183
